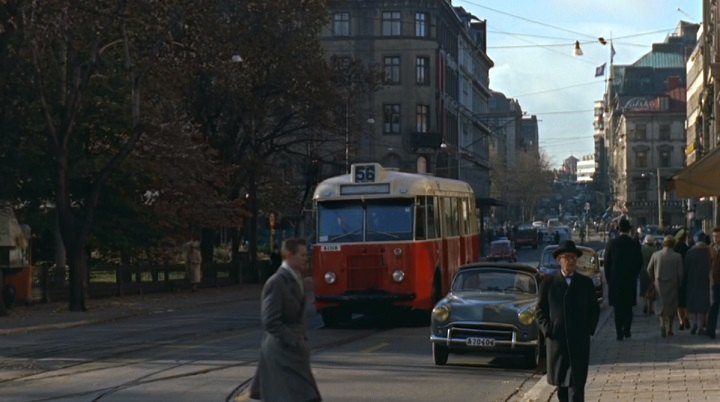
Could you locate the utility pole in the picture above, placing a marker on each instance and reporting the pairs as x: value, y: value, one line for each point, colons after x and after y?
x: 659, y: 198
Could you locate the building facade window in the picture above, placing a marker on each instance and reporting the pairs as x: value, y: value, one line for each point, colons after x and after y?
x: 422, y: 72
x: 391, y: 67
x: 421, y: 24
x: 341, y: 24
x: 641, y: 132
x: 664, y: 132
x: 422, y: 118
x: 391, y: 119
x: 641, y: 190
x: 665, y: 158
x: 641, y: 159
x: 391, y: 23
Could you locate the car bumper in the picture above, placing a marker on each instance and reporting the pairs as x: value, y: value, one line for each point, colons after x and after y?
x: 506, y: 337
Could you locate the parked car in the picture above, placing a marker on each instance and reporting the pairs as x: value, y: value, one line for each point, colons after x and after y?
x: 526, y: 236
x: 490, y: 310
x: 601, y: 257
x: 500, y: 250
x: 588, y: 264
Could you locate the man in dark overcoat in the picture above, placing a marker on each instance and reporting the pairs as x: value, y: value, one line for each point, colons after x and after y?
x: 623, y: 262
x: 283, y: 373
x: 567, y: 314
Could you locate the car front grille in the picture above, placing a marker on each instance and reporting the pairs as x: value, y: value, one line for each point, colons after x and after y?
x: 497, y: 332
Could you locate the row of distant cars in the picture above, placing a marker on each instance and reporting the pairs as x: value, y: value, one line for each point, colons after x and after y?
x: 491, y: 307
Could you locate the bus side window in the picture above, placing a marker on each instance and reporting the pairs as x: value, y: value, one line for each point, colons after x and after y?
x: 420, y: 216
x: 432, y: 218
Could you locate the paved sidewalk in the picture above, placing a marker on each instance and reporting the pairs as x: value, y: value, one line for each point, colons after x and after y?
x: 38, y: 317
x: 646, y: 367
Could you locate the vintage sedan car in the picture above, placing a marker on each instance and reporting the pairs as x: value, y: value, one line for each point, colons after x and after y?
x: 501, y: 250
x: 588, y: 264
x: 490, y: 310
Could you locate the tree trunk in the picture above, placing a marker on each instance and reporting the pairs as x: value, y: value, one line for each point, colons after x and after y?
x: 78, y: 283
x: 252, y: 225
x: 235, y: 256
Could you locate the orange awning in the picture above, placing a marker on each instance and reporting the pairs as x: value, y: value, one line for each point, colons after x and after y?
x: 701, y: 179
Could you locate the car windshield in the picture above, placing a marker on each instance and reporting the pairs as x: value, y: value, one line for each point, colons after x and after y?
x: 357, y: 221
x: 494, y: 280
x: 587, y: 263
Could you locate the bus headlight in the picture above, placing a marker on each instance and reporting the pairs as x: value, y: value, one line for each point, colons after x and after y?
x: 398, y: 276
x: 441, y: 313
x: 526, y: 317
x: 330, y: 278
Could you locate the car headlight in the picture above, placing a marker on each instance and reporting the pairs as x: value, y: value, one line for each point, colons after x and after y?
x: 330, y: 278
x: 398, y: 276
x: 526, y: 317
x: 441, y: 313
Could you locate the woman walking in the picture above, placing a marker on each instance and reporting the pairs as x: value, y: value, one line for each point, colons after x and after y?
x: 647, y: 289
x: 697, y: 265
x: 665, y: 269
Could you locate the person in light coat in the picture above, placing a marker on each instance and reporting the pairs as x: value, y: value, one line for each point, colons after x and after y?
x: 647, y: 293
x: 283, y: 372
x: 665, y: 269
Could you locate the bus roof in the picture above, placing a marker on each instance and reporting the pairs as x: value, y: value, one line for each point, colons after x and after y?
x: 386, y: 183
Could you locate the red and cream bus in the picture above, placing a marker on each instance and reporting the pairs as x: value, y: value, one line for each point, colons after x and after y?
x: 389, y: 239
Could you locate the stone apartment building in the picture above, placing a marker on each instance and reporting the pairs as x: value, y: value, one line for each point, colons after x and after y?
x: 699, y: 182
x: 429, y: 114
x: 644, y: 130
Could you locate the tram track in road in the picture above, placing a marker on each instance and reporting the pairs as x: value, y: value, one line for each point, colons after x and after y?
x: 119, y: 351
x: 121, y: 360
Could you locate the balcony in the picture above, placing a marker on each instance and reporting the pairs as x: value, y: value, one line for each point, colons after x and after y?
x: 426, y: 141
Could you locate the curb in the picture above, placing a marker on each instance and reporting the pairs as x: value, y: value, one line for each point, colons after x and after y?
x: 542, y: 391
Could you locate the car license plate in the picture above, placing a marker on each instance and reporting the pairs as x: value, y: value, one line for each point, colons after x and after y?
x: 487, y: 342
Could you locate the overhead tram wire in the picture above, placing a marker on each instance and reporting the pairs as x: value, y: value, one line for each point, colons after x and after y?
x: 595, y: 82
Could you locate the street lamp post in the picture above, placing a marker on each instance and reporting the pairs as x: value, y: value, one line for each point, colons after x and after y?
x: 347, y: 135
x: 659, y: 199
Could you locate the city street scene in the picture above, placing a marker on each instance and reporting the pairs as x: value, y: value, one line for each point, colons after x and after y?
x: 350, y: 201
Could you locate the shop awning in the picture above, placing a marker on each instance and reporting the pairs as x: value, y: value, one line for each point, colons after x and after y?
x: 701, y: 179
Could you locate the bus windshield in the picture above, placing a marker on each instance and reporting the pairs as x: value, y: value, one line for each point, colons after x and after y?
x: 373, y: 220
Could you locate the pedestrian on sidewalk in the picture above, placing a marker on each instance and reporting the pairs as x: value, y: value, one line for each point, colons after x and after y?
x: 714, y: 282
x: 666, y: 271
x: 623, y: 262
x: 567, y: 314
x: 647, y: 289
x: 193, y: 263
x: 681, y: 246
x: 283, y: 372
x: 697, y: 265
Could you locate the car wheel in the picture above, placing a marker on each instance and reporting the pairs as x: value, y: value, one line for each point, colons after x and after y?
x: 440, y: 354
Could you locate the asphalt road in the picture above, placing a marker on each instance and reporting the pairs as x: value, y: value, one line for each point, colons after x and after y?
x: 209, y: 354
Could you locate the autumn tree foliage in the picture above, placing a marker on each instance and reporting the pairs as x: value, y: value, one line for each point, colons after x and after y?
x: 94, y: 79
x: 261, y: 93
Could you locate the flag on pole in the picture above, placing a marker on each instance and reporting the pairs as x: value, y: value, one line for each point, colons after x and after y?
x: 600, y: 70
x: 612, y: 53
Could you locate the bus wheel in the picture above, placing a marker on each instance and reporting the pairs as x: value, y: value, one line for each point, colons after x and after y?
x: 332, y: 317
x: 9, y: 293
x: 440, y: 354
x: 437, y: 287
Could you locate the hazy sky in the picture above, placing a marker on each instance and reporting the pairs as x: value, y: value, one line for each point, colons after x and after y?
x: 531, y: 43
